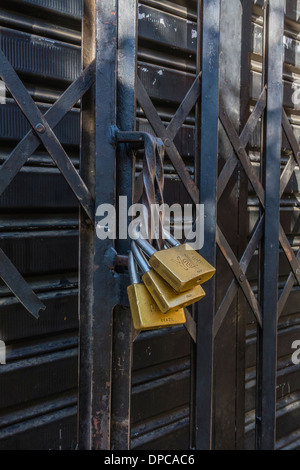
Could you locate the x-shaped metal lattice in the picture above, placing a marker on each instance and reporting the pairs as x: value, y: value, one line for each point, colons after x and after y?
x: 241, y: 155
x: 290, y: 167
x: 239, y: 144
x: 41, y: 133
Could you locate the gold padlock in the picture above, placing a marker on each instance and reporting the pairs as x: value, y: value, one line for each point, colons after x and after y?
x: 180, y: 266
x: 145, y: 312
x: 167, y: 299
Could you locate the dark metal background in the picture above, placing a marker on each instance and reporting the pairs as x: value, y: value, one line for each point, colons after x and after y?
x: 39, y: 233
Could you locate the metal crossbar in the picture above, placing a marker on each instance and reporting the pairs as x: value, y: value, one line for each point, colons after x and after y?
x: 41, y: 132
x: 45, y: 134
x: 168, y: 134
x: 19, y: 287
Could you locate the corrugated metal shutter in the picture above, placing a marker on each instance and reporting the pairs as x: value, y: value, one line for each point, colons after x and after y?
x: 39, y: 232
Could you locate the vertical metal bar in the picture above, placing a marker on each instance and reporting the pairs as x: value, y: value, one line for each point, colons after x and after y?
x: 227, y: 342
x: 193, y: 354
x: 266, y: 409
x: 97, y: 283
x: 208, y: 180
x: 121, y: 379
x: 243, y: 223
x: 126, y: 116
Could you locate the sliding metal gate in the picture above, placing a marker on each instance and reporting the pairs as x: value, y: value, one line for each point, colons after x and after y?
x: 219, y: 94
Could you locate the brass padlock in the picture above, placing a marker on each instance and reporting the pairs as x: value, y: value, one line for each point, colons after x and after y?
x: 180, y: 266
x: 145, y: 312
x: 167, y: 299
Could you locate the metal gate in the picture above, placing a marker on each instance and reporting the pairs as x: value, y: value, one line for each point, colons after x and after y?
x: 212, y: 90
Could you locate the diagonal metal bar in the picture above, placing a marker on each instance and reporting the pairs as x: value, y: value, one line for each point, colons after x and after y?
x: 239, y: 274
x: 241, y: 153
x: 287, y: 174
x: 177, y: 121
x: 294, y: 158
x: 19, y: 286
x: 291, y: 136
x: 234, y: 286
x: 190, y: 325
x: 171, y: 150
x: 28, y: 145
x: 159, y: 190
x: 289, y: 252
x: 287, y: 290
x: 244, y: 138
x: 185, y: 107
x: 45, y: 134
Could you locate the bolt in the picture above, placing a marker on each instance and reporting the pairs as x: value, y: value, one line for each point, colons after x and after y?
x: 297, y: 271
x: 242, y: 278
x: 40, y: 128
x: 167, y: 142
x: 298, y: 155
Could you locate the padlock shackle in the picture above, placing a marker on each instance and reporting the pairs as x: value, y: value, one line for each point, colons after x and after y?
x: 133, y: 274
x: 139, y: 258
x: 171, y: 240
x: 146, y: 247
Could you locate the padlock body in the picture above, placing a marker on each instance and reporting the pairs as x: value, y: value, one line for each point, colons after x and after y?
x: 145, y: 312
x: 167, y: 299
x: 182, y: 267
